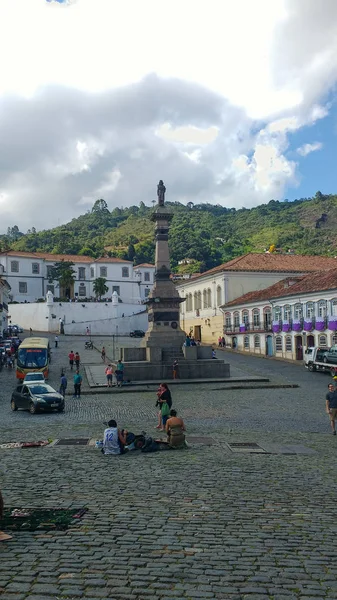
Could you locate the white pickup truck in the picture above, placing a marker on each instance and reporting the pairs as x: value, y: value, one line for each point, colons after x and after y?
x: 321, y: 359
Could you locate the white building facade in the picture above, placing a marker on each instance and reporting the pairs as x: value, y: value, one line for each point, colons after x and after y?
x: 28, y: 274
x: 285, y: 319
x: 201, y: 315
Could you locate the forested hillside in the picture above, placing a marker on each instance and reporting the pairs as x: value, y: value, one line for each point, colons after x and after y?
x: 208, y: 234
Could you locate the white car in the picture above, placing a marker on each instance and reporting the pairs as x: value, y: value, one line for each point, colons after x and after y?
x: 19, y: 328
x: 34, y: 378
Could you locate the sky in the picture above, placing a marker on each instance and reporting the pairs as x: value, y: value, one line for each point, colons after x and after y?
x: 230, y: 102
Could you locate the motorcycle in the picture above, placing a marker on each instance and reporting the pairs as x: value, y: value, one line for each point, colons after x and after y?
x: 88, y: 346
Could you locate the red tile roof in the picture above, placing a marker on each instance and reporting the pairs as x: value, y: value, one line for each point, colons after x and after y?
x: 48, y: 256
x: 145, y: 265
x: 112, y: 259
x: 59, y: 257
x: 275, y: 263
x: 315, y: 282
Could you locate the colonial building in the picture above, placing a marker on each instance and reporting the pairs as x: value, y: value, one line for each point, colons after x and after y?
x: 286, y: 318
x: 205, y: 294
x: 4, y: 299
x: 28, y: 274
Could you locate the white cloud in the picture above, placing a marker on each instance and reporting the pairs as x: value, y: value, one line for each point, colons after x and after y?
x: 103, y: 98
x: 308, y: 148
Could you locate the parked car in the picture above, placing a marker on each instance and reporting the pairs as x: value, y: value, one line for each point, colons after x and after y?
x: 35, y: 397
x: 18, y: 327
x: 34, y: 378
x: 330, y: 356
x: 137, y: 333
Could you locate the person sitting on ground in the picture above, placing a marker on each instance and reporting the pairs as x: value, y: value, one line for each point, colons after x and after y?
x: 114, y: 440
x: 3, y: 536
x: 175, y: 429
x: 109, y: 374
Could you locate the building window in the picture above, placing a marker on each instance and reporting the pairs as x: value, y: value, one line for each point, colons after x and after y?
x: 298, y: 311
x: 334, y: 307
x: 92, y: 272
x: 82, y: 291
x: 289, y: 343
x: 256, y: 317
x: 228, y: 320
x: 22, y: 287
x: 49, y: 272
x: 246, y: 342
x: 204, y: 298
x: 81, y: 272
x: 310, y: 310
x: 322, y: 341
x: 209, y: 298
x: 189, y: 303
x: 287, y: 312
x: 199, y: 300
x: 236, y: 319
x: 125, y: 271
x: 334, y: 340
x: 147, y: 292
x: 277, y: 313
x: 322, y: 308
x: 103, y: 271
x: 278, y: 343
x: 35, y: 268
x: 218, y: 296
x: 245, y: 317
x: 50, y: 288
x: 146, y: 276
x: 256, y: 341
x: 14, y: 266
x: 116, y: 288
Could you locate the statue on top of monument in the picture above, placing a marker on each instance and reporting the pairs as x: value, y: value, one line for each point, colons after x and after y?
x: 161, y: 189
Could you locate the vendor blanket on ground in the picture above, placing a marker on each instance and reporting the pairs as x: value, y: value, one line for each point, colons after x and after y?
x: 38, y: 519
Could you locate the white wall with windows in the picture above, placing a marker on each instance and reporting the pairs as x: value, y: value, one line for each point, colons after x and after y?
x: 28, y: 275
x: 317, y: 307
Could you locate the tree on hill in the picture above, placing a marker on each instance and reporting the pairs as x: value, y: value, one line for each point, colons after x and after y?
x: 100, y: 206
x: 99, y: 287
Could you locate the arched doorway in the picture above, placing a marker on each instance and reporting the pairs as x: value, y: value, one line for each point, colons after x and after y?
x: 310, y: 341
x: 298, y: 347
x: 234, y: 343
x: 269, y: 345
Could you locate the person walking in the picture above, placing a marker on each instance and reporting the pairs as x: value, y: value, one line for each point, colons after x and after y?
x: 77, y: 360
x: 63, y: 384
x: 119, y: 373
x: 77, y: 384
x: 103, y: 354
x: 71, y: 357
x: 331, y: 406
x: 56, y: 341
x: 175, y: 369
x: 109, y: 374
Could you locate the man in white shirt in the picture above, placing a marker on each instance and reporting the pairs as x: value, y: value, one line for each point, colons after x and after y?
x: 114, y: 440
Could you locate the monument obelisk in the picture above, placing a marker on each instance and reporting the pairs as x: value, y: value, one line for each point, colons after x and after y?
x: 163, y: 302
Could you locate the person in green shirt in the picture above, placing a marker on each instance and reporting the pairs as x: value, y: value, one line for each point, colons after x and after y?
x: 77, y: 384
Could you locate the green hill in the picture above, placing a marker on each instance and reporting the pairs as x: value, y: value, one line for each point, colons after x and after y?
x: 209, y: 234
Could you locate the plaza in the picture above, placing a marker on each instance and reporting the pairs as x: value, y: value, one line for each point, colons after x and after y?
x: 202, y: 523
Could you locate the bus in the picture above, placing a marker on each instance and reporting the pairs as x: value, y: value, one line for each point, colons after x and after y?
x: 33, y: 356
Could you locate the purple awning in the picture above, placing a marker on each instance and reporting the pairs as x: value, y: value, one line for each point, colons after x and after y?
x: 275, y: 326
x: 333, y: 324
x: 297, y: 325
x: 286, y: 326
x: 307, y: 325
x: 320, y: 324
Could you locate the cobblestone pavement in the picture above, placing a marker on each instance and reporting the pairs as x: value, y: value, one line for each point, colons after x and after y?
x: 200, y: 523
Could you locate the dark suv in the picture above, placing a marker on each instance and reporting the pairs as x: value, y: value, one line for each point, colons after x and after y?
x: 137, y: 333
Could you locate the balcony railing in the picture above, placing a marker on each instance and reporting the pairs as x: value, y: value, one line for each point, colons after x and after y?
x: 249, y: 327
